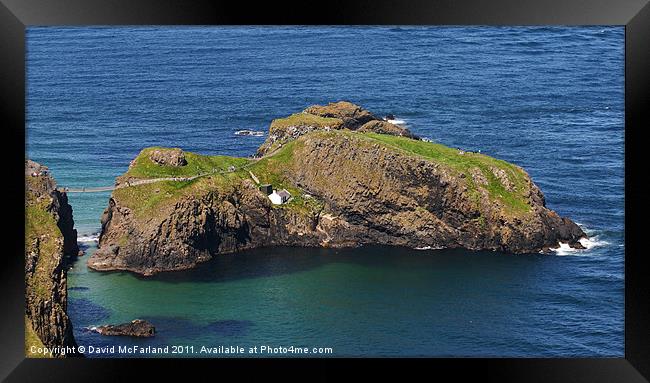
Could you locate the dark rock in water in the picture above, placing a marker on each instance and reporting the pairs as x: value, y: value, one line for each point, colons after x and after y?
x: 137, y: 328
x: 389, y: 117
x: 169, y: 157
x: 577, y: 245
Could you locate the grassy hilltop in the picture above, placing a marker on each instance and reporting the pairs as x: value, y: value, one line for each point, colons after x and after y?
x: 273, y: 169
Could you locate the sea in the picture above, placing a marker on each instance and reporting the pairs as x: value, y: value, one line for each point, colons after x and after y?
x: 547, y: 98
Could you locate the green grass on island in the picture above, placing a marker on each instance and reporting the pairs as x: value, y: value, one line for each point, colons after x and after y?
x: 144, y: 167
x: 304, y: 119
x: 269, y: 170
x: 146, y: 199
x: 515, y: 201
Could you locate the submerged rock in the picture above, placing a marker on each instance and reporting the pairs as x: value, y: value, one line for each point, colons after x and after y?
x: 136, y: 328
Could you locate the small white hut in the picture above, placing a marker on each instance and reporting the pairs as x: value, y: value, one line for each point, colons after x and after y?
x: 279, y: 197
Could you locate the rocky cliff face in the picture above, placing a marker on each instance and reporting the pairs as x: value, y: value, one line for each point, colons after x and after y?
x: 391, y: 197
x: 349, y: 187
x: 51, y: 243
x: 195, y: 228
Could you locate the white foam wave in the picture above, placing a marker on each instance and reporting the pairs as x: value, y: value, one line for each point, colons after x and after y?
x: 565, y: 249
x: 88, y: 238
x: 397, y: 121
x: 592, y: 242
x: 587, y: 243
x: 587, y: 230
x: 248, y: 132
x: 429, y: 248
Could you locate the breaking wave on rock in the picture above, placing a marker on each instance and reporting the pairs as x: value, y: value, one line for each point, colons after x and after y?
x: 594, y: 241
x: 397, y: 121
x: 89, y: 238
x: 247, y: 132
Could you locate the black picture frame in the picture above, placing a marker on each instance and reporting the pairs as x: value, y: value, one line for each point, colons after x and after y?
x: 16, y: 15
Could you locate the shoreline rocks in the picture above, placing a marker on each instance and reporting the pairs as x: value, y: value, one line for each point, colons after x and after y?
x: 136, y: 328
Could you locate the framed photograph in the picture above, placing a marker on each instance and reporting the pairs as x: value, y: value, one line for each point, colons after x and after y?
x: 444, y: 186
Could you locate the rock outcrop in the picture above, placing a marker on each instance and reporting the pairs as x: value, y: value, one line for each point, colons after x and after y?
x: 168, y: 157
x: 335, y: 115
x: 351, y: 115
x: 50, y: 245
x: 137, y: 328
x: 384, y: 127
x: 350, y: 187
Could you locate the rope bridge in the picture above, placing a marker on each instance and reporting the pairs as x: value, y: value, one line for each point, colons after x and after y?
x: 126, y: 184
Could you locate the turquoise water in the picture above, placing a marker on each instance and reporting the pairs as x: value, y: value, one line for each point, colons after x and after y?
x: 549, y: 99
x: 367, y: 301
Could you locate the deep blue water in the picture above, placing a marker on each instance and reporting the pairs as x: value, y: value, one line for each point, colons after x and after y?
x: 549, y: 99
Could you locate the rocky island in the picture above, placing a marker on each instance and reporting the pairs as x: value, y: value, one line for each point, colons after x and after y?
x: 353, y: 178
x: 50, y: 246
x: 136, y: 328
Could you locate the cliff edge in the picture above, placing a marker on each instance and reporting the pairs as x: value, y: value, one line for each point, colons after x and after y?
x: 50, y: 244
x: 351, y: 180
